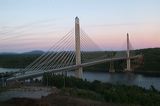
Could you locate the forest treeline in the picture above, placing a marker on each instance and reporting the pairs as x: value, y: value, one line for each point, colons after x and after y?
x: 150, y: 63
x: 105, y: 92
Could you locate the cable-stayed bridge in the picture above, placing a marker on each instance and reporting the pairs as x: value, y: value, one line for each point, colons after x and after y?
x: 72, y: 53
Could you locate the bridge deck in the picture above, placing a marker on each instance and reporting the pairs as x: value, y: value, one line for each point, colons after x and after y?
x: 40, y: 73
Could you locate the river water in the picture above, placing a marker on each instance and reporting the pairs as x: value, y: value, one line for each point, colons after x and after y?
x: 141, y: 80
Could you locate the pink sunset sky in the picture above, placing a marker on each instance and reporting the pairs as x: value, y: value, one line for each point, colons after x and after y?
x: 27, y: 25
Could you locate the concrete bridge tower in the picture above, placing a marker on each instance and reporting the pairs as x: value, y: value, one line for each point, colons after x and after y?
x: 79, y: 71
x: 128, y: 55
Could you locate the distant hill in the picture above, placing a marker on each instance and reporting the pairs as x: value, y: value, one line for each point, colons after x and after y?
x: 31, y: 52
x: 34, y: 52
x: 18, y: 60
x: 8, y: 53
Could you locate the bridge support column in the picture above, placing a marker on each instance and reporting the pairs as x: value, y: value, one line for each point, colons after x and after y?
x: 64, y: 73
x: 111, y: 69
x: 79, y: 71
x: 3, y: 81
x: 128, y: 55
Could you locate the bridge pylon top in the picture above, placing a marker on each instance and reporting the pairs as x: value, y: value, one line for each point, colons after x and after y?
x: 77, y: 20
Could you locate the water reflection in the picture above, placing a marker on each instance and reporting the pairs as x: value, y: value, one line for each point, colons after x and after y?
x: 123, y: 78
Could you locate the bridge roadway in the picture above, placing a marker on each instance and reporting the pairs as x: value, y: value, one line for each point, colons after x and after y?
x: 40, y: 73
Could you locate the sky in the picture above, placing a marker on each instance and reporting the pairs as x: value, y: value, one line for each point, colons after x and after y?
x: 36, y: 24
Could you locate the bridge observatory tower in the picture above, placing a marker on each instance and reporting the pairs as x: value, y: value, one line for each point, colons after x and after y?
x: 79, y: 71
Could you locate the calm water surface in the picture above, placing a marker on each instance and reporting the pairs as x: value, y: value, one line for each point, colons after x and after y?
x: 124, y: 78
